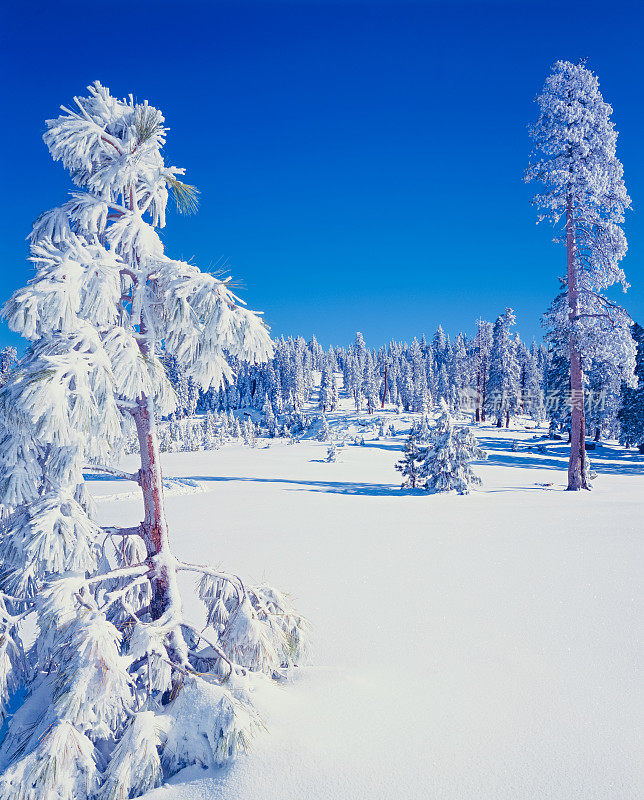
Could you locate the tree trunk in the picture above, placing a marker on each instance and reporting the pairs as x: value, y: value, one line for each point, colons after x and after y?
x: 507, y: 419
x: 576, y: 463
x: 598, y: 433
x: 154, y: 526
x: 499, y: 422
x: 483, y: 388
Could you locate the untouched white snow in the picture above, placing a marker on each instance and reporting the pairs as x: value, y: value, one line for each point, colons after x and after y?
x: 482, y: 647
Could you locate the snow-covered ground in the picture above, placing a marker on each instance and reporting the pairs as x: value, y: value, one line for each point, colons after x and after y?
x: 482, y: 646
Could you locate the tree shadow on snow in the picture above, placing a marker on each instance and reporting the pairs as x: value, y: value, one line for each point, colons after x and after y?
x: 334, y: 487
x: 381, y: 444
x: 605, y: 459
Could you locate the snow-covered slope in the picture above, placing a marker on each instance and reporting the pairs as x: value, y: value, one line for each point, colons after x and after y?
x: 464, y: 647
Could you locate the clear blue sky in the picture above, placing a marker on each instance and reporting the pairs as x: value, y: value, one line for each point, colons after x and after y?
x: 360, y: 163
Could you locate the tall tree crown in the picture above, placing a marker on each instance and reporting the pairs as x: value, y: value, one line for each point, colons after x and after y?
x: 105, y: 299
x: 575, y: 160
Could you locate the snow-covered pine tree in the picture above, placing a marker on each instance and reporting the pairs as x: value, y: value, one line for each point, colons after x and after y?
x: 531, y: 383
x: 410, y: 464
x: 324, y: 433
x: 446, y: 465
x: 210, y: 431
x: 575, y: 161
x: 631, y: 412
x: 460, y: 372
x: 502, y: 395
x: 482, y: 347
x: 332, y: 453
x: 334, y: 392
x: 107, y: 711
x: 557, y: 398
x: 325, y: 389
x: 369, y: 385
x: 268, y: 418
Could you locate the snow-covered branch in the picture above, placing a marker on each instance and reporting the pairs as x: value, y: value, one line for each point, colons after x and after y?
x: 117, y: 473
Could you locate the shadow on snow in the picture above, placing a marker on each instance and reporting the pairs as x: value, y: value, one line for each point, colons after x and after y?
x: 605, y: 459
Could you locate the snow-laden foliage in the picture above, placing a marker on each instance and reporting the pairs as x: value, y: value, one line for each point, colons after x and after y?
x: 135, y: 766
x: 258, y: 626
x: 575, y: 161
x: 110, y: 686
x: 61, y: 765
x: 631, y: 411
x: 503, y: 393
x: 410, y: 464
x: 585, y: 197
x: 446, y: 464
x: 207, y: 725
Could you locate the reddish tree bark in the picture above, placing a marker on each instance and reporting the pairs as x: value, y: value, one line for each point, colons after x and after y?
x: 576, y: 463
x: 154, y: 528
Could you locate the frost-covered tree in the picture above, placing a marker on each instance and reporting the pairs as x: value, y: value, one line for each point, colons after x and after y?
x: 502, y: 396
x: 410, y: 464
x: 575, y: 162
x: 631, y: 412
x: 482, y: 347
x: 446, y: 465
x: 268, y: 418
x: 325, y: 433
x: 332, y: 453
x: 370, y: 385
x: 531, y: 383
x: 119, y: 689
x: 326, y: 392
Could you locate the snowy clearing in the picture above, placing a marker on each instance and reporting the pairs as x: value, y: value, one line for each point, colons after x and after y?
x: 464, y: 647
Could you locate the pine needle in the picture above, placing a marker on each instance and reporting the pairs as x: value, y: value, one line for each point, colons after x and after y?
x: 146, y: 123
x: 185, y: 195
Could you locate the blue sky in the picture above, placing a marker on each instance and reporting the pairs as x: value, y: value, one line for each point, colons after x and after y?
x: 360, y: 163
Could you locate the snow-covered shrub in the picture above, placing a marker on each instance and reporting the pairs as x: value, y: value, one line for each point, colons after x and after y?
x: 446, y: 462
x: 590, y: 472
x: 324, y: 434
x: 410, y: 464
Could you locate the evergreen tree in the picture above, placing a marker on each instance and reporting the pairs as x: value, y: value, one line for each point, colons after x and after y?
x: 446, y: 463
x: 324, y: 434
x: 369, y: 385
x: 460, y: 372
x: 268, y: 419
x: 631, y: 412
x: 482, y: 350
x: 332, y: 453
x: 96, y: 718
x: 583, y: 184
x: 502, y: 394
x: 531, y: 383
x: 409, y: 465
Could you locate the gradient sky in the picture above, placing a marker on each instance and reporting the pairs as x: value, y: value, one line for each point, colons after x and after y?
x: 360, y: 164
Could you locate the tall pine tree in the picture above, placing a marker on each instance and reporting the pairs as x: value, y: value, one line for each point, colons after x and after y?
x: 575, y: 162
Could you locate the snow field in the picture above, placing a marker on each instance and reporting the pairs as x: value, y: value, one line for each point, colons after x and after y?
x: 481, y: 646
